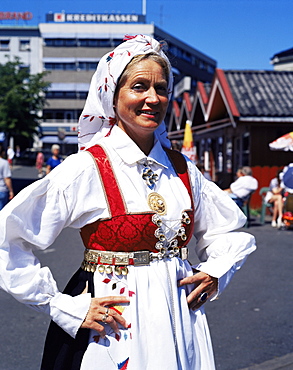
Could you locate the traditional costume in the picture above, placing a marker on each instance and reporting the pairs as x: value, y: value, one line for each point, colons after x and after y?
x: 137, y: 214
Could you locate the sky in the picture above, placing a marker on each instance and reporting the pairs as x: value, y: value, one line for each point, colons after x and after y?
x: 238, y: 34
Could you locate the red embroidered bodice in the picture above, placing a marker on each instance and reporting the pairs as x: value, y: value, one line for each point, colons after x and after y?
x: 123, y: 231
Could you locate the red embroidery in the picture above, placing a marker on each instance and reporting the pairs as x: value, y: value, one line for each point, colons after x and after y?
x: 106, y: 281
x: 117, y: 337
x: 123, y: 231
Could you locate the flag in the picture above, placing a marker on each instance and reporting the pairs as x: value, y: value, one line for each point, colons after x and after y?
x: 188, y: 147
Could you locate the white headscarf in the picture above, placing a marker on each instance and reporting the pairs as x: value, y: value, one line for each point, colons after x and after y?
x: 98, y: 116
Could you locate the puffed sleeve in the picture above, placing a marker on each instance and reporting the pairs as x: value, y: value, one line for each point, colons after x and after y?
x: 32, y: 221
x: 220, y: 248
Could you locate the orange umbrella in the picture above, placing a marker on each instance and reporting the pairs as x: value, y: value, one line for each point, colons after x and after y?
x: 284, y: 142
x: 188, y: 147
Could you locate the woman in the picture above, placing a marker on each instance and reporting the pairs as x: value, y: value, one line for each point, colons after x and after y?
x: 40, y: 163
x: 54, y: 160
x: 275, y: 197
x: 136, y: 303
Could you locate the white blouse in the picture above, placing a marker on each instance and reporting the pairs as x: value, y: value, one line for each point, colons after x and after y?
x: 72, y: 196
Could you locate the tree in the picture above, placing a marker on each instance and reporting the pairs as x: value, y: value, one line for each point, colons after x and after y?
x: 22, y: 98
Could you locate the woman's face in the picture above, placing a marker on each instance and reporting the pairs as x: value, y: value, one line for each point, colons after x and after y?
x: 55, y: 152
x: 141, y: 101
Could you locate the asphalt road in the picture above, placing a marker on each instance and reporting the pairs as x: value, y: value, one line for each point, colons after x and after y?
x: 251, y: 324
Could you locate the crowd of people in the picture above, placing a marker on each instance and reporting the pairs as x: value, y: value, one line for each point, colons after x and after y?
x: 278, y: 196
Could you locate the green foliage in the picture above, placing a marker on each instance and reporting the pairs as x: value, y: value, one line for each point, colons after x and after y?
x: 22, y: 97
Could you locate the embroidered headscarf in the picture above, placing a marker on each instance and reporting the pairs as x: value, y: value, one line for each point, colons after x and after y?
x: 98, y: 116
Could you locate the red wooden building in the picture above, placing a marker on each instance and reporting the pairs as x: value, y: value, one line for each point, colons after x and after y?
x: 234, y: 119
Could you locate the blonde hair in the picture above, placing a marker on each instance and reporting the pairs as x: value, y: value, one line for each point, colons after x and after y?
x: 138, y: 58
x: 55, y: 147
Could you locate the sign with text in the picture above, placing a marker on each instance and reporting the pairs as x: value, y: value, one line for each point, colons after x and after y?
x: 26, y: 16
x: 95, y: 18
x: 183, y: 85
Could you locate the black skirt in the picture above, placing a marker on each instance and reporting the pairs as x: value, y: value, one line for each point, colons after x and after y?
x: 61, y: 351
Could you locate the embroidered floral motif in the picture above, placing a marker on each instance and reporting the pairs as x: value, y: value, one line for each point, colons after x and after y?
x: 110, y: 57
x: 117, y: 337
x: 87, y: 116
x: 112, y: 122
x: 106, y: 281
x: 105, y: 85
x: 123, y: 365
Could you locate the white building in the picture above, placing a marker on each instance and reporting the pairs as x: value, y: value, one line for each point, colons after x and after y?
x: 69, y: 47
x: 24, y: 42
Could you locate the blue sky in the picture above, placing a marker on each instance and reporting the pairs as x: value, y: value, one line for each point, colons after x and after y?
x: 238, y: 34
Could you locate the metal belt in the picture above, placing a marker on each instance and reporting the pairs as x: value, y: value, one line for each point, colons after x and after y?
x: 94, y: 259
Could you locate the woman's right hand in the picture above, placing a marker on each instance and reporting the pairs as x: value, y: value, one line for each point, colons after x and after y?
x: 100, y: 312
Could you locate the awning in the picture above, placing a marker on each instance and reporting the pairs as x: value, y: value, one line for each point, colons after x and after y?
x: 55, y: 140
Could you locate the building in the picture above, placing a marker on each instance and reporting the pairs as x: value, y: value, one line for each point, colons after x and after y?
x: 69, y: 47
x: 283, y: 61
x: 233, y: 121
x: 24, y: 42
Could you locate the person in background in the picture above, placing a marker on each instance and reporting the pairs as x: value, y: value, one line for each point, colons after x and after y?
x: 10, y: 156
x: 40, y: 163
x: 243, y: 186
x: 54, y: 160
x: 275, y: 197
x: 287, y: 178
x: 135, y: 303
x: 6, y: 190
x: 17, y: 151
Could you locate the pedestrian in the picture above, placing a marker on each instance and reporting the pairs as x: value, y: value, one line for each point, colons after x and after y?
x: 10, y: 156
x: 55, y: 159
x: 6, y: 189
x: 17, y: 151
x: 243, y: 186
x: 40, y: 163
x: 136, y: 302
x: 275, y: 197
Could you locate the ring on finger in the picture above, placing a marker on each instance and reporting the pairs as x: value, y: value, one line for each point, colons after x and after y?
x: 104, y: 317
x: 203, y: 297
x: 107, y: 311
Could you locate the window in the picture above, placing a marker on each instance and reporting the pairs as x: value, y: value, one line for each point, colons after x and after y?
x: 66, y: 95
x: 72, y: 42
x: 211, y: 69
x: 4, y: 44
x: 49, y: 42
x: 87, y: 66
x: 60, y: 115
x: 60, y: 66
x: 58, y: 42
x: 93, y: 43
x: 82, y: 94
x: 24, y: 66
x: 61, y: 42
x: 69, y: 66
x: 24, y: 45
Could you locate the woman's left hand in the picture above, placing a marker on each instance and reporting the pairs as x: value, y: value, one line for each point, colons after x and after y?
x: 205, y: 287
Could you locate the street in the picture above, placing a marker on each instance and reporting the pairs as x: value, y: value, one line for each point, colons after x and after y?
x: 250, y: 323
